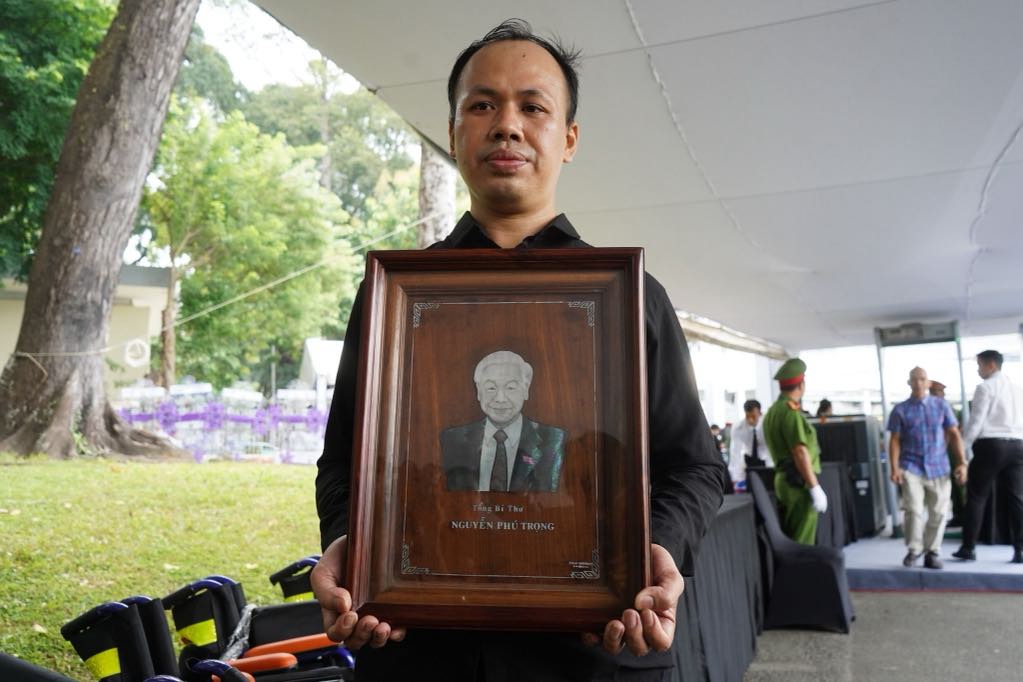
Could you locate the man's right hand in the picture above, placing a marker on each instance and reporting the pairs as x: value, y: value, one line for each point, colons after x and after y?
x: 897, y: 476
x: 339, y: 621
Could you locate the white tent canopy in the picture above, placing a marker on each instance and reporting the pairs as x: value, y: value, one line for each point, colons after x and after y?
x: 799, y: 170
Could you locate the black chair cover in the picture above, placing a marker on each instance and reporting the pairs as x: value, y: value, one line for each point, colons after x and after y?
x: 808, y: 586
x: 837, y: 526
x: 158, y: 637
x: 205, y: 613
x: 111, y: 642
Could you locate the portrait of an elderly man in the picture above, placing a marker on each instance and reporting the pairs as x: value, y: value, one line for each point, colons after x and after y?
x: 506, y: 450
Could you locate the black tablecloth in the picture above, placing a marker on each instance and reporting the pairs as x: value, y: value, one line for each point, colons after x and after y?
x: 721, y: 610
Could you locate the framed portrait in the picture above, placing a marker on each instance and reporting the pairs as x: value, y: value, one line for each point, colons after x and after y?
x: 500, y: 466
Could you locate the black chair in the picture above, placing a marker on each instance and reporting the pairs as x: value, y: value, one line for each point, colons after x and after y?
x: 807, y: 584
x: 111, y: 640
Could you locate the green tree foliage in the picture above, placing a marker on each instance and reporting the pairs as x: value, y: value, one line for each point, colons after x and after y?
x: 45, y: 51
x: 237, y: 209
x: 366, y: 164
x: 392, y: 206
x: 205, y: 73
x: 363, y: 137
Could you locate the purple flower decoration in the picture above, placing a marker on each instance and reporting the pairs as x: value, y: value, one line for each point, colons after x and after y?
x: 261, y: 422
x: 213, y: 419
x: 314, y: 419
x: 167, y: 416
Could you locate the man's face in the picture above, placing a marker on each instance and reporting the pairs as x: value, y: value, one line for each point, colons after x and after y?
x: 919, y: 383
x: 753, y: 416
x: 986, y: 369
x: 501, y: 392
x: 509, y: 135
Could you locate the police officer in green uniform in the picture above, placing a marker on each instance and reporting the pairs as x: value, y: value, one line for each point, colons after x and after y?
x: 792, y: 441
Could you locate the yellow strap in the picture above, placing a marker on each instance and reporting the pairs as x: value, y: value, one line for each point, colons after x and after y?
x: 104, y: 664
x: 202, y: 633
x: 302, y: 596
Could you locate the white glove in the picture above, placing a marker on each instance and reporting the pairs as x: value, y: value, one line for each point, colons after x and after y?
x: 820, y: 500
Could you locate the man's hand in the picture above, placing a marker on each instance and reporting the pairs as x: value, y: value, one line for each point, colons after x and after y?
x: 960, y: 473
x: 651, y: 625
x: 819, y: 498
x: 897, y: 476
x: 339, y: 621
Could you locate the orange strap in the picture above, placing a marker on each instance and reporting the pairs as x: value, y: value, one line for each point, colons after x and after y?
x: 292, y: 646
x: 248, y: 676
x: 255, y: 664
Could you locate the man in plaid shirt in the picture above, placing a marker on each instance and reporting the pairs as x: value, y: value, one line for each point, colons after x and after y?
x: 919, y: 428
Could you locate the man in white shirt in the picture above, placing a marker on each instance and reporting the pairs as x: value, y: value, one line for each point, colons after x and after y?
x: 748, y: 446
x: 995, y: 431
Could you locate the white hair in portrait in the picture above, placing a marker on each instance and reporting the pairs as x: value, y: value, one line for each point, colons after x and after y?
x: 504, y: 357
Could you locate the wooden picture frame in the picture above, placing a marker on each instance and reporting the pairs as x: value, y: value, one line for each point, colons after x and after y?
x: 567, y: 546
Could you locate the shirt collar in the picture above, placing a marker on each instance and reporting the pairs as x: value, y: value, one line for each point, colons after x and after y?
x: 469, y: 234
x: 513, y: 430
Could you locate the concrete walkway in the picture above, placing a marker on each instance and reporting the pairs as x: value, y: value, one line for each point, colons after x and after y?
x: 903, y: 637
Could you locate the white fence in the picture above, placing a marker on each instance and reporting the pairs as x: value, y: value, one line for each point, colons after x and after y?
x: 236, y: 424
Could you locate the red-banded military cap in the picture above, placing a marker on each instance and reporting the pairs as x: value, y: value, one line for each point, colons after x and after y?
x: 790, y: 374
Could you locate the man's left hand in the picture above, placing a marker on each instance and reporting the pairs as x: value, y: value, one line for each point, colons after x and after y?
x: 650, y: 626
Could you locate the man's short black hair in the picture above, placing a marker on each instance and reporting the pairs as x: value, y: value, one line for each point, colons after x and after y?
x: 750, y: 405
x: 991, y: 356
x: 519, y: 29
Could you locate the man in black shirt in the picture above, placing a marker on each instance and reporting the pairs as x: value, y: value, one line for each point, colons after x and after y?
x: 512, y: 126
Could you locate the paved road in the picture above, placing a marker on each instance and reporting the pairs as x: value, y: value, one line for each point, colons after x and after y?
x: 903, y: 637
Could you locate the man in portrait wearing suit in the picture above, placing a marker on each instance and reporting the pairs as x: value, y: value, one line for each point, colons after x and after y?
x: 506, y: 450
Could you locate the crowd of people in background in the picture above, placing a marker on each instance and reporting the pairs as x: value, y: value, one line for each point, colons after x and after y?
x: 928, y: 456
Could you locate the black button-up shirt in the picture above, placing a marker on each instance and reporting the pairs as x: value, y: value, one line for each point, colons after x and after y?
x: 686, y: 478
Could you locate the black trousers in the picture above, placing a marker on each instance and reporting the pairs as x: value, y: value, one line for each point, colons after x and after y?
x: 994, y: 458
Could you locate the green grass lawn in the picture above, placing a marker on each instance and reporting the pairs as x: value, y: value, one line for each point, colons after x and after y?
x: 75, y: 534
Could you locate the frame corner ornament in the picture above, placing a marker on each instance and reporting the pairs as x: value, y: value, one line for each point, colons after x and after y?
x: 589, y: 306
x: 417, y: 311
x: 586, y: 570
x: 406, y: 565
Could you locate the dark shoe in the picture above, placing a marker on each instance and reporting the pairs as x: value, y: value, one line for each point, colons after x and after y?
x: 932, y: 560
x: 965, y: 553
x: 910, y: 559
x: 1017, y: 557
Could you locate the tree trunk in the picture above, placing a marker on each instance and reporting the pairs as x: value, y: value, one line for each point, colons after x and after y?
x: 52, y: 391
x: 436, y: 195
x: 326, y: 169
x: 168, y: 335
